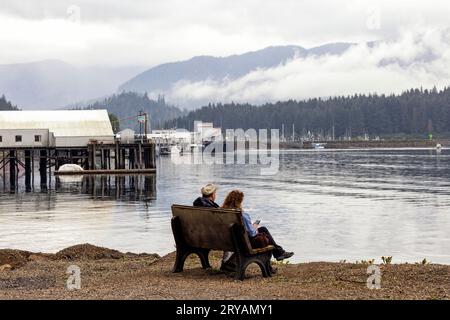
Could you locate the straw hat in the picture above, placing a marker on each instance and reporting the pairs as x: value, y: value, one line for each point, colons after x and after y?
x: 209, y: 189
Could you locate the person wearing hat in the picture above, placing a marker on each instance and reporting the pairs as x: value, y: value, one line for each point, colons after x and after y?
x: 208, y: 197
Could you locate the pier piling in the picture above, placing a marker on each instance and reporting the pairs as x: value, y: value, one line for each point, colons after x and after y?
x: 12, y: 169
x: 95, y: 158
x: 43, y: 166
x: 28, y: 169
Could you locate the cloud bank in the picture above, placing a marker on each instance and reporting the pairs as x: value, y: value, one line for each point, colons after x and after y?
x: 419, y: 57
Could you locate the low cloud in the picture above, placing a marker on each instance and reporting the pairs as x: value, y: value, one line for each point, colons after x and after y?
x: 419, y: 57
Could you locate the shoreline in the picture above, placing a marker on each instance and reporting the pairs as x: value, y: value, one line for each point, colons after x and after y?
x: 110, y: 274
x: 371, y: 144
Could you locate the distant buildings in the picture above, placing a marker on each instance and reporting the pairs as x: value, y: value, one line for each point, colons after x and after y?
x: 68, y: 128
x: 126, y: 136
x: 203, y: 132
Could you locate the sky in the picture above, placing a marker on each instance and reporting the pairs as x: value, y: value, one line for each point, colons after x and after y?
x: 412, y: 42
x: 150, y: 32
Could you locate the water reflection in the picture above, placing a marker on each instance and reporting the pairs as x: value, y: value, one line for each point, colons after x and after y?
x: 324, y: 205
x: 114, y: 187
x: 117, y: 187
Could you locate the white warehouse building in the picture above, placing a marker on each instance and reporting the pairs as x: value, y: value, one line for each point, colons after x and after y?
x: 59, y: 128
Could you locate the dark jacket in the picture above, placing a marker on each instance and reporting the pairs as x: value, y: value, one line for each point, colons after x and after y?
x: 205, y: 202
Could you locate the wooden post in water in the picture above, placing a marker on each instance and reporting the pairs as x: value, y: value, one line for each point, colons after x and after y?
x: 93, y: 154
x: 140, y: 156
x: 146, y: 158
x: 122, y: 159
x: 43, y: 166
x: 116, y: 156
x: 4, y: 169
x: 153, y: 156
x: 27, y: 169
x: 132, y: 158
x: 49, y: 165
x: 102, y: 158
x: 56, y: 160
x: 12, y: 169
x: 32, y: 168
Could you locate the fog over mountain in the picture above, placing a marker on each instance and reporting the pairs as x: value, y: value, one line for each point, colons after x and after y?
x: 418, y: 57
x: 53, y: 84
x: 202, y: 68
x: 172, y: 79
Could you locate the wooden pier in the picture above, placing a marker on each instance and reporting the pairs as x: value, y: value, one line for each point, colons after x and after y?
x: 95, y: 158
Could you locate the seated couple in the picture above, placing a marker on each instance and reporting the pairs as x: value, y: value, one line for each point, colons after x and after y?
x: 259, y: 236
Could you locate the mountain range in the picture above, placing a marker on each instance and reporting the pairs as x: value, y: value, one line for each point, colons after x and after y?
x: 200, y: 68
x: 55, y: 84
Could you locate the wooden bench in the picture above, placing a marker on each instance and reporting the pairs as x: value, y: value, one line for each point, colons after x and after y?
x: 199, y: 230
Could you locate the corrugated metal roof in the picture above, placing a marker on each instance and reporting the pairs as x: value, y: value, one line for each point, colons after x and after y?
x: 63, y: 123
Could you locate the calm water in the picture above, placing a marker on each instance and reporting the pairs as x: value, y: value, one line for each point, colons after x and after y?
x: 324, y: 205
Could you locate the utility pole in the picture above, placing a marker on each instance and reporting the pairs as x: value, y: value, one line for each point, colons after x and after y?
x: 140, y: 122
x: 293, y: 132
x: 146, y: 124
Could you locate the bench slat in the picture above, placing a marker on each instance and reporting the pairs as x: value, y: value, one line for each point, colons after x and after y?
x: 207, y: 228
x: 261, y: 250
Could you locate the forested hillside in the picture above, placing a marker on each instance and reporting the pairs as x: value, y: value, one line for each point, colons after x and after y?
x: 127, y: 105
x: 5, y: 104
x: 414, y: 112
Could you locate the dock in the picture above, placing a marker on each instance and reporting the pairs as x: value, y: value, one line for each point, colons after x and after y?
x: 47, y: 140
x: 95, y: 158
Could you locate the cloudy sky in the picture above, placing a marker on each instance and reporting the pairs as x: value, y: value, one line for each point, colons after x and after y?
x: 413, y: 42
x: 149, y: 32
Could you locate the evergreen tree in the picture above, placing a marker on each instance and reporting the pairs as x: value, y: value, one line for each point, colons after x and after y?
x: 414, y: 112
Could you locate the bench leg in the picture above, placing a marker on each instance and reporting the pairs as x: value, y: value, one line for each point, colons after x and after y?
x: 179, y: 260
x: 183, y: 253
x: 268, y: 267
x: 241, y: 266
x: 266, y: 264
x: 262, y: 260
x: 204, y: 257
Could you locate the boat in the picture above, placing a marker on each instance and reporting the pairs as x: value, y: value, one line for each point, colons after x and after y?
x: 165, y: 150
x: 318, y: 146
x: 70, y: 167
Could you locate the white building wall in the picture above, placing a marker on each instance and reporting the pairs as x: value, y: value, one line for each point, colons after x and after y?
x: 8, y: 139
x: 81, y: 141
x: 71, y: 128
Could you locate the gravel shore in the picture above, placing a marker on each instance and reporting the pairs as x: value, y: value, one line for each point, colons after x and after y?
x: 110, y: 274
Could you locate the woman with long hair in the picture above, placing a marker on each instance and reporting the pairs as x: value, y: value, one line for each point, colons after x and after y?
x: 259, y: 236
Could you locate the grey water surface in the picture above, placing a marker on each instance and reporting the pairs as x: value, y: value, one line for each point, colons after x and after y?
x: 324, y: 205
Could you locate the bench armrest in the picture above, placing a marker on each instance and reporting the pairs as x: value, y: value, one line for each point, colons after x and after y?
x: 261, y: 250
